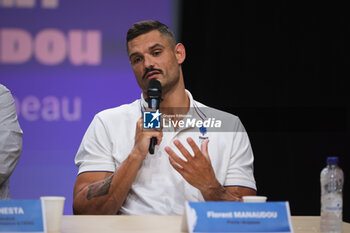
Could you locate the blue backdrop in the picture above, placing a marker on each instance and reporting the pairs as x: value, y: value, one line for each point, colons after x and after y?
x: 64, y: 61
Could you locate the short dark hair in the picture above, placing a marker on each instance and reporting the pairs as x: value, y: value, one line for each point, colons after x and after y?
x: 146, y: 26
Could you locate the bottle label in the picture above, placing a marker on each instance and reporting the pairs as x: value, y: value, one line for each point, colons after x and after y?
x: 333, y: 204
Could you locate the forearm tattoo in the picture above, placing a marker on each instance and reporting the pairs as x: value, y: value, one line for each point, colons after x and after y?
x: 99, y: 188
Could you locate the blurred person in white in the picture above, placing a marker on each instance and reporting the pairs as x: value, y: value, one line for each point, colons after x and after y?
x: 10, y: 140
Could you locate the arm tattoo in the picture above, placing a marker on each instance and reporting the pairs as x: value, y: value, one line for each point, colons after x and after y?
x: 99, y: 188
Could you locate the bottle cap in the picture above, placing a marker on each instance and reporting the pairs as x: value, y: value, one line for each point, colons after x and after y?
x: 332, y: 160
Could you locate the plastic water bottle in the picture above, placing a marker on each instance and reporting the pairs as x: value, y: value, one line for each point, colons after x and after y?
x: 332, y: 179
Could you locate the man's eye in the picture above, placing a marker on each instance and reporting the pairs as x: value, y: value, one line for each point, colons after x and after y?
x: 157, y: 53
x: 137, y: 60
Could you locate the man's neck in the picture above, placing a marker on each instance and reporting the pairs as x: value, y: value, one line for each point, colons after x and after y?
x: 175, y: 101
x: 175, y: 105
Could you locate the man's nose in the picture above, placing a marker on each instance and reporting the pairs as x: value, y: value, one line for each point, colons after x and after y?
x: 148, y: 62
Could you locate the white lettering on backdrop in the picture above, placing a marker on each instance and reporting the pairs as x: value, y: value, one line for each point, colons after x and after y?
x: 50, y: 46
x: 49, y: 4
x: 49, y: 108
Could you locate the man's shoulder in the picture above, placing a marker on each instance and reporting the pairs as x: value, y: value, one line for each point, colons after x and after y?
x: 3, y: 89
x: 7, y: 104
x: 4, y: 92
x: 123, y: 111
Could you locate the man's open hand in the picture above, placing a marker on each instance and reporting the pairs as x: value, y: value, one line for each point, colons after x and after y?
x: 197, y: 170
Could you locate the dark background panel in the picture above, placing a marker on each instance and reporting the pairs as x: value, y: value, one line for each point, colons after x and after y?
x: 283, y: 68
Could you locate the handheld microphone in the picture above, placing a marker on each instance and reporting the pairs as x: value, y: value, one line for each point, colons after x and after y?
x: 154, y: 94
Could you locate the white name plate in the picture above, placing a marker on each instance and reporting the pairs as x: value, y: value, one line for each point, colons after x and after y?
x: 237, y: 217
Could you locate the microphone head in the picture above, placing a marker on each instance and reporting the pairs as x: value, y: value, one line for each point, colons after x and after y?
x: 154, y: 94
x: 154, y: 90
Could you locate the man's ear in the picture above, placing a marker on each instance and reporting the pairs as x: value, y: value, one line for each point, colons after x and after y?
x: 180, y: 53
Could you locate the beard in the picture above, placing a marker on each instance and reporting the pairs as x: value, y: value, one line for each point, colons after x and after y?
x: 169, y: 84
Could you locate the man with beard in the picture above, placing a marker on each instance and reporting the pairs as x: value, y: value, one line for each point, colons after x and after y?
x: 118, y: 175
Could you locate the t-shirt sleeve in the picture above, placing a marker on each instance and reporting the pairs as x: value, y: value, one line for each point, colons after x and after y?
x: 240, y: 169
x: 95, y: 151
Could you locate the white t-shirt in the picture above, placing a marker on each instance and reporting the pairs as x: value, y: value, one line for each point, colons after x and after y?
x: 158, y: 188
